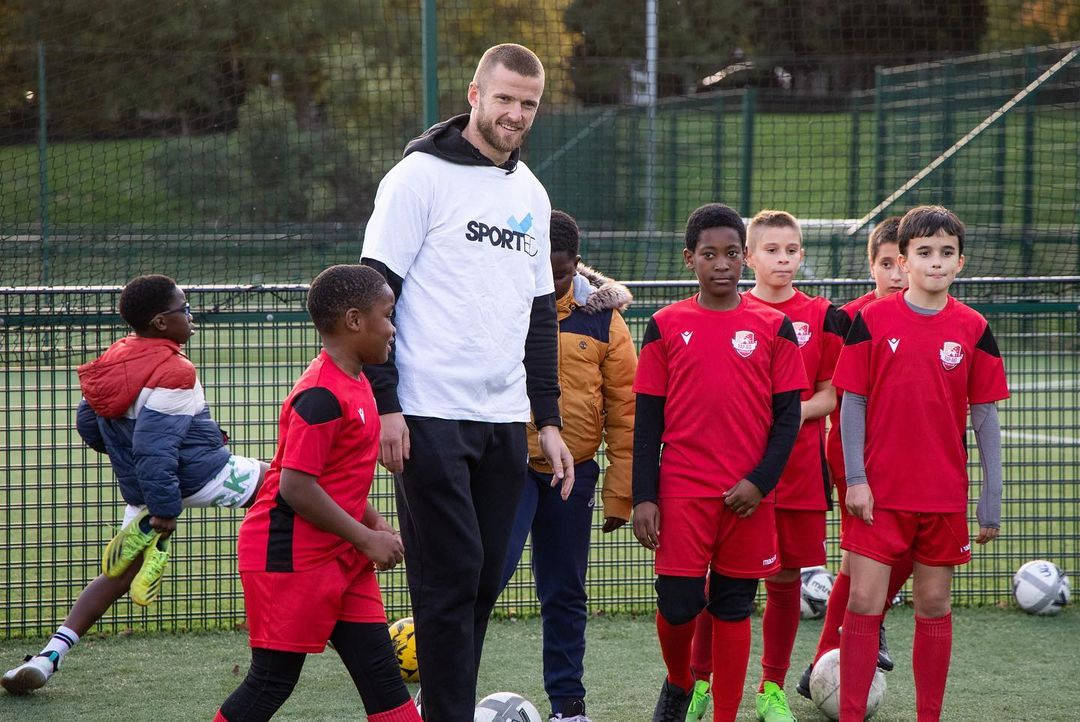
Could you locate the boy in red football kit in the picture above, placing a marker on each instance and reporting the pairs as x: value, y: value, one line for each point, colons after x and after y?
x: 775, y: 252
x: 717, y: 386
x: 310, y: 545
x: 911, y: 366
x: 881, y: 252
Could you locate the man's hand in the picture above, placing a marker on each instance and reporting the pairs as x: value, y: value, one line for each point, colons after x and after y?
x: 611, y: 523
x: 647, y: 524
x: 743, y: 498
x: 986, y: 534
x: 860, y: 502
x: 393, y: 442
x: 382, y: 547
x: 562, y: 463
x: 163, y: 525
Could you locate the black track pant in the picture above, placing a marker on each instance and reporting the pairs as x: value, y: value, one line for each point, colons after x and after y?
x: 367, y: 652
x: 457, y: 500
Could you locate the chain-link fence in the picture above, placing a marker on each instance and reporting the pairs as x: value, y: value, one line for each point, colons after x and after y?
x: 236, y: 141
x: 61, y: 502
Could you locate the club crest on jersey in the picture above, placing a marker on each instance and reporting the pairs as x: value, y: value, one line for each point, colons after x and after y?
x: 951, y: 354
x: 802, y: 332
x: 744, y: 343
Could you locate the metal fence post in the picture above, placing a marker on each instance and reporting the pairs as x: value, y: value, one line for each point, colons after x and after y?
x: 43, y: 165
x: 429, y: 49
x: 879, y: 135
x: 948, y: 170
x: 748, y: 106
x: 1027, y: 207
x: 853, y: 182
x: 718, y: 149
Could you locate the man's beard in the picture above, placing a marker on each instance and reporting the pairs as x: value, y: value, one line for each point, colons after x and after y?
x: 492, y: 138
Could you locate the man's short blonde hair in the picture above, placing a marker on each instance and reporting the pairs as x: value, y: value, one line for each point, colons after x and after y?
x: 516, y: 58
x: 770, y: 219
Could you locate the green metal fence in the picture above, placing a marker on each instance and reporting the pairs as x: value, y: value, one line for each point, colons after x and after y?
x: 60, y: 501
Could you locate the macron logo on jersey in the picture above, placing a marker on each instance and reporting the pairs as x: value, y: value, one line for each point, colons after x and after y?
x: 686, y: 337
x: 951, y: 354
x: 744, y: 343
x: 362, y: 419
x: 802, y: 332
x: 893, y: 343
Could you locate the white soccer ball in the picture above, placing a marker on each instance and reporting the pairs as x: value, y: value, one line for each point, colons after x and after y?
x: 506, y: 707
x: 1040, y: 587
x: 817, y: 583
x: 825, y: 687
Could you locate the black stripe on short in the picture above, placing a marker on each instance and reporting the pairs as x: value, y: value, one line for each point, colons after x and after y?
x: 279, y: 540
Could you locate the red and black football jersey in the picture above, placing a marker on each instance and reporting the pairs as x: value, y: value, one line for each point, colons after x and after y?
x: 819, y: 330
x: 919, y: 374
x: 718, y: 372
x: 834, y: 449
x: 329, y: 428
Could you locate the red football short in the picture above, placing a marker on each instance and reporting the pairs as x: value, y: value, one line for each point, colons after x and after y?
x: 934, y: 539
x: 840, y: 484
x: 801, y: 538
x: 698, y: 534
x: 297, y: 611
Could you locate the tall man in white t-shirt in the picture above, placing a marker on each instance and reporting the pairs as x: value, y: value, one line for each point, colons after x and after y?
x: 460, y: 230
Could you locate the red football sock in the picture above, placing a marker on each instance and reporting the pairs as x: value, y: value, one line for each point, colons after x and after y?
x: 406, y: 712
x: 930, y: 654
x: 779, y: 625
x: 675, y: 641
x: 858, y: 660
x: 730, y: 657
x: 220, y: 717
x: 834, y: 616
x: 897, y: 578
x: 701, y: 650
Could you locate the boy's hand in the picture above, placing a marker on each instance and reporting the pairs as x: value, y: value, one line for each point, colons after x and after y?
x: 163, y: 525
x: 562, y: 463
x: 743, y: 498
x: 860, y: 502
x: 384, y: 548
x: 986, y: 534
x: 611, y: 523
x: 647, y: 524
x: 393, y: 442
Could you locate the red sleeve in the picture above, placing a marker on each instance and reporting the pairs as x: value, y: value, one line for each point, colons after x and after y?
x: 853, y: 366
x: 788, y: 371
x: 652, y: 369
x: 313, y: 420
x: 834, y: 327
x: 986, y: 382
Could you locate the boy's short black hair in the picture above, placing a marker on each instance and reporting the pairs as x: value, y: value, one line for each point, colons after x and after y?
x: 713, y: 215
x: 565, y: 237
x: 145, y: 297
x: 926, y: 221
x: 339, y: 288
x: 884, y: 232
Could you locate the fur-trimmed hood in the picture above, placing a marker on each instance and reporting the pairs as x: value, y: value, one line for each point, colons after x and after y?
x: 595, y: 292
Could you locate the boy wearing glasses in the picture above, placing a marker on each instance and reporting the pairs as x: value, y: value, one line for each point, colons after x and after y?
x: 144, y: 407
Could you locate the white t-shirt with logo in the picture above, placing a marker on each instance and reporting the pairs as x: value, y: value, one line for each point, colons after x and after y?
x: 472, y: 245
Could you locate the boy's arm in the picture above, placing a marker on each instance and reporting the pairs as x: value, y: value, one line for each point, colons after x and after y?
x: 617, y: 370
x: 302, y: 492
x: 160, y: 428
x: 853, y: 435
x: 87, y: 426
x: 821, y: 403
x: 648, y: 433
x: 372, y: 519
x: 782, y: 433
x: 984, y: 419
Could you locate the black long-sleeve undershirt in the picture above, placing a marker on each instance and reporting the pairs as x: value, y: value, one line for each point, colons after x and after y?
x: 542, y: 362
x: 649, y: 431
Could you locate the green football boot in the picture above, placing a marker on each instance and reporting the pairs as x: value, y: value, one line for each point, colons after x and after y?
x: 699, y: 701
x: 772, y: 705
x: 127, y: 546
x: 146, y: 585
